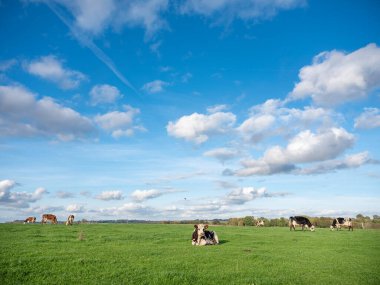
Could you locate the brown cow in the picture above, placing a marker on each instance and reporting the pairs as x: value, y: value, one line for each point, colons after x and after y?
x: 30, y: 220
x: 70, y: 220
x: 49, y: 217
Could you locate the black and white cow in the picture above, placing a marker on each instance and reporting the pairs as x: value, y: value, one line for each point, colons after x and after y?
x: 300, y: 221
x: 201, y: 236
x: 342, y: 222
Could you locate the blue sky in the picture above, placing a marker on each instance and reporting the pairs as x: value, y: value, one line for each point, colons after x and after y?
x: 189, y: 109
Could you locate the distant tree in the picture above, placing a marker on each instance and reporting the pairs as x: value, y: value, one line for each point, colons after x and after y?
x: 248, y: 221
x: 360, y: 217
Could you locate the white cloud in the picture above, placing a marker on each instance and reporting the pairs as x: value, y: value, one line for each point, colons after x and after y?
x: 241, y: 9
x: 104, y: 93
x: 51, y: 68
x: 75, y: 208
x: 65, y: 195
x: 120, y: 123
x: 96, y: 17
x: 350, y: 161
x: 369, y: 119
x: 222, y: 154
x: 306, y: 147
x: 198, y: 128
x: 217, y: 108
x: 12, y: 199
x: 110, y: 195
x: 245, y: 194
x: 133, y: 210
x: 155, y: 86
x: 21, y: 114
x: 142, y: 195
x: 336, y: 78
x: 273, y: 119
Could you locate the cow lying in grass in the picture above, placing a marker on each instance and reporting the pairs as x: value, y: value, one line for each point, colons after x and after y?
x: 201, y: 236
x: 342, y: 222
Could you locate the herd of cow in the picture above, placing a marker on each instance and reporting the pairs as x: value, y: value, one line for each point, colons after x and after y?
x: 202, y: 236
x: 50, y: 217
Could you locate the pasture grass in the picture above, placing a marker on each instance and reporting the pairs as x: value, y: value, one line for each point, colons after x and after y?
x: 162, y: 254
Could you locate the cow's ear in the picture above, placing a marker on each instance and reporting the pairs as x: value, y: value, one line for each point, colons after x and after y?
x: 196, y: 226
x: 206, y: 226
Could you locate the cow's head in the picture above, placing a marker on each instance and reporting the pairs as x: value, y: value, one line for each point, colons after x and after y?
x: 200, y: 230
x: 312, y: 228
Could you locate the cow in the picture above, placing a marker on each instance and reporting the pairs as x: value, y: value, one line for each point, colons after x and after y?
x: 70, y: 220
x: 30, y: 220
x: 201, y: 236
x: 49, y: 217
x: 300, y: 221
x: 342, y: 222
x: 259, y: 223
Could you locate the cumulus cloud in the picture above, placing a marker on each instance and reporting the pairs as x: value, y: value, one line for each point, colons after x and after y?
x: 240, y: 9
x: 336, y: 77
x: 95, y: 17
x: 120, y: 123
x: 197, y: 128
x: 272, y: 118
x: 350, y: 161
x: 133, y: 210
x: 217, y: 108
x: 222, y: 154
x: 51, y: 68
x: 75, y: 208
x: 369, y: 119
x: 14, y: 199
x: 155, y: 86
x: 245, y: 194
x: 110, y: 195
x: 141, y: 195
x: 104, y: 93
x: 22, y: 114
x: 306, y: 147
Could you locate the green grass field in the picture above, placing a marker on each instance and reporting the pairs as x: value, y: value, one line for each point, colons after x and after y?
x: 162, y: 254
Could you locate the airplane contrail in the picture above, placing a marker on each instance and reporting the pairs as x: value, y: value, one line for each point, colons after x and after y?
x: 87, y: 42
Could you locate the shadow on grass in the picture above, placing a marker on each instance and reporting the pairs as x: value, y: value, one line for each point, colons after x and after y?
x: 223, y: 241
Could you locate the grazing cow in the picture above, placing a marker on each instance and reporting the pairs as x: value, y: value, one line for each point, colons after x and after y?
x: 30, y: 220
x: 49, y: 217
x: 201, y: 236
x: 259, y: 223
x: 342, y: 222
x: 300, y: 221
x: 70, y: 220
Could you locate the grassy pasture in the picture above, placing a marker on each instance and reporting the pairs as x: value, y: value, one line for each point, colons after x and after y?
x: 162, y: 254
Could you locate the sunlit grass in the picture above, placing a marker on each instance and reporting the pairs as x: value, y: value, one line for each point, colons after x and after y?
x: 162, y: 254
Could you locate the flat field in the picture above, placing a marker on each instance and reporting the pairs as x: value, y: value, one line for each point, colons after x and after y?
x: 162, y: 254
